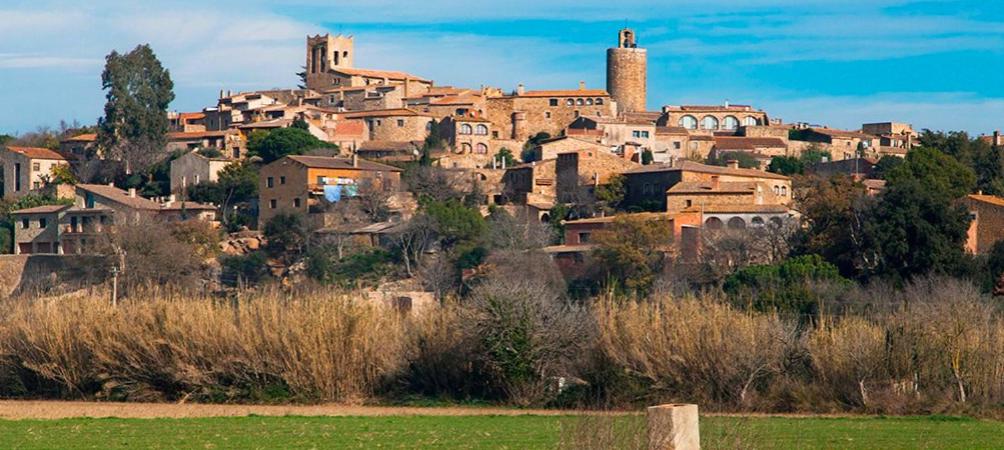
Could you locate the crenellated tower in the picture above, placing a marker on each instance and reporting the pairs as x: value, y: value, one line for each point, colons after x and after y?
x: 627, y: 67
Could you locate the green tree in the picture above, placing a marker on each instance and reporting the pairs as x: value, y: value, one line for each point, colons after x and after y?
x: 531, y: 144
x: 455, y: 223
x: 646, y: 157
x: 785, y: 287
x: 885, y: 165
x: 506, y: 157
x: 814, y: 154
x: 918, y: 226
x: 786, y: 165
x: 301, y: 124
x: 286, y: 236
x: 139, y: 90
x: 611, y: 194
x: 285, y: 141
x: 632, y: 251
x: 236, y: 185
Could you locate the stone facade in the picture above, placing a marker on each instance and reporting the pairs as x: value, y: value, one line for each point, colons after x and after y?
x: 712, y: 118
x: 24, y: 169
x: 396, y: 125
x: 81, y: 147
x: 58, y: 229
x: 706, y: 194
x: 295, y: 183
x: 468, y: 135
x: 192, y: 168
x: 551, y: 148
x: 525, y: 182
x: 987, y: 225
x: 647, y: 185
x: 627, y: 72
x: 578, y: 172
x: 523, y: 114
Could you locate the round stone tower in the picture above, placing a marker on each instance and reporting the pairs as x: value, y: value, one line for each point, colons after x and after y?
x: 626, y: 72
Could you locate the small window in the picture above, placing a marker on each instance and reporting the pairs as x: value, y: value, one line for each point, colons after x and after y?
x: 576, y: 113
x: 272, y: 204
x: 24, y: 224
x: 584, y: 238
x: 36, y: 166
x: 677, y: 145
x: 482, y: 130
x: 466, y: 129
x: 547, y: 114
x: 580, y: 102
x: 36, y: 184
x: 282, y: 180
x: 400, y: 122
x: 599, y: 101
x: 644, y: 134
x: 690, y: 203
x: 495, y: 134
x: 569, y: 102
x: 42, y: 222
x: 589, y: 101
x: 269, y: 182
x: 296, y: 202
x: 553, y: 102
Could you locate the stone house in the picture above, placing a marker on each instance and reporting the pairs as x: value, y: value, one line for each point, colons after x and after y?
x: 579, y: 172
x: 532, y: 182
x: 711, y: 118
x: 25, y: 169
x: 229, y: 142
x: 389, y: 150
x: 767, y: 146
x: 127, y: 205
x: 550, y: 148
x: 80, y: 147
x: 892, y: 134
x: 348, y: 135
x: 706, y: 194
x: 647, y: 186
x: 522, y: 114
x: 330, y: 64
x: 192, y: 168
x: 467, y: 104
x: 743, y: 216
x: 469, y: 135
x: 396, y: 125
x: 295, y: 184
x: 617, y: 131
x: 186, y: 121
x: 987, y: 224
x: 840, y: 143
x: 58, y: 229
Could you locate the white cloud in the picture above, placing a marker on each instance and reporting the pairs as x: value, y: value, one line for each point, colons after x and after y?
x: 20, y: 61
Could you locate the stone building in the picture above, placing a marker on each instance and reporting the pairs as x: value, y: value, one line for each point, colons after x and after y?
x: 987, y: 224
x: 840, y: 144
x: 647, y: 185
x: 466, y: 104
x: 231, y: 143
x: 744, y: 216
x: 713, y: 193
x: 296, y: 184
x: 469, y: 135
x: 129, y: 206
x: 712, y: 118
x: 58, y: 229
x: 186, y: 121
x: 192, y: 168
x: 615, y: 132
x: 994, y: 140
x: 25, y: 169
x: 627, y: 72
x: 397, y: 125
x: 761, y: 148
x: 389, y: 150
x: 892, y: 134
x: 579, y: 172
x: 329, y: 65
x: 550, y: 148
x: 522, y: 114
x: 81, y: 146
x: 532, y: 182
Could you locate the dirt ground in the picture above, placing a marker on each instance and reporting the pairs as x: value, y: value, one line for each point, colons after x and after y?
x: 17, y: 409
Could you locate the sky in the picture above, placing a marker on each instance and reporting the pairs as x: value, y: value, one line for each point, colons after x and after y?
x: 935, y: 64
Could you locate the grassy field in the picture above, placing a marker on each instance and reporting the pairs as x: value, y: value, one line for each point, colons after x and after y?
x: 470, y: 432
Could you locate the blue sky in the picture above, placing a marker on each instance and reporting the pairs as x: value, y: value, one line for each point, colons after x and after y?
x: 936, y: 64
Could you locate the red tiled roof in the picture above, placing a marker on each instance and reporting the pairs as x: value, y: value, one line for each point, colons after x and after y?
x: 349, y: 127
x: 185, y: 135
x: 327, y: 162
x: 691, y: 166
x: 38, y: 153
x: 842, y: 133
x: 191, y: 116
x: 382, y: 113
x: 120, y: 196
x: 991, y: 199
x: 456, y: 100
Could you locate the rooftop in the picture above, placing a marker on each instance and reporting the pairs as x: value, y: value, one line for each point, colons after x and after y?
x: 991, y: 199
x: 739, y: 209
x: 327, y: 162
x: 691, y: 166
x: 747, y: 143
x: 393, y: 112
x: 120, y: 196
x: 565, y: 93
x: 86, y: 137
x: 37, y: 153
x: 707, y: 187
x: 369, y: 73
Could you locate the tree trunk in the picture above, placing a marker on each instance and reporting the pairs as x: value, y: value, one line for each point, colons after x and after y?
x: 863, y: 392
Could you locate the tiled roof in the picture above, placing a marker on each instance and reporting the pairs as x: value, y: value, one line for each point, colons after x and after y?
x: 45, y: 209
x: 352, y: 127
x: 120, y: 196
x: 185, y: 135
x: 708, y: 108
x: 991, y: 199
x: 191, y: 116
x: 566, y: 93
x: 394, y: 112
x: 327, y: 162
x: 456, y: 100
x: 747, y: 143
x: 691, y: 166
x: 842, y: 133
x: 738, y: 209
x: 391, y: 74
x: 671, y: 130
x: 38, y: 153
x: 397, y: 146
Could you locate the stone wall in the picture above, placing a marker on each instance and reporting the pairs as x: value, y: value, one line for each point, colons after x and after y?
x: 627, y: 78
x: 50, y: 274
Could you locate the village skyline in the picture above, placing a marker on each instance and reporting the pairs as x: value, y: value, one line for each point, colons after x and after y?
x: 835, y: 65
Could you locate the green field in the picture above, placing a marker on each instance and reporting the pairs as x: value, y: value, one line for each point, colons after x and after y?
x: 514, y: 432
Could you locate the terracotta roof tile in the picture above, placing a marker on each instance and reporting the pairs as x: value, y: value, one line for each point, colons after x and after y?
x: 566, y: 93
x: 120, y: 196
x: 692, y: 166
x: 38, y: 153
x: 390, y: 74
x: 327, y: 162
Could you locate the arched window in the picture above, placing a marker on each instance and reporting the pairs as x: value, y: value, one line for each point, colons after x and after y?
x: 709, y: 123
x: 465, y: 148
x: 777, y: 190
x: 466, y: 129
x: 428, y: 127
x: 713, y: 223
x: 580, y: 102
x: 737, y: 223
x: 784, y: 191
x: 589, y: 101
x: 482, y: 149
x: 757, y: 221
x: 750, y: 121
x: 730, y: 123
x: 599, y: 101
x: 569, y: 102
x: 776, y: 222
x: 482, y: 129
x: 688, y: 122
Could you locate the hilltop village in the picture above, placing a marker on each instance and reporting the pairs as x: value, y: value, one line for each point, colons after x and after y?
x: 360, y: 159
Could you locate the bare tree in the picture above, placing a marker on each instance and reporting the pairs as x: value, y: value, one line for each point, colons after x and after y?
x: 414, y: 238
x: 519, y: 232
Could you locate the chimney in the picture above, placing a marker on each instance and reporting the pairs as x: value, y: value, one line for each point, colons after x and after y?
x: 355, y: 160
x: 997, y: 138
x: 732, y: 163
x: 714, y: 182
x: 503, y: 163
x: 582, y: 85
x: 132, y: 192
x: 520, y: 89
x: 726, y: 103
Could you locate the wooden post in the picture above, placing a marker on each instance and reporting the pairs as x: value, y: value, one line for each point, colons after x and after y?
x: 673, y: 426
